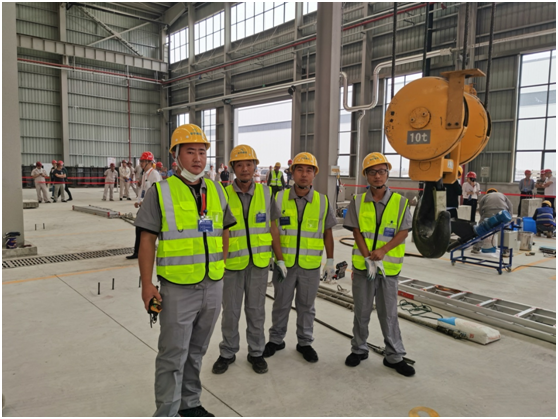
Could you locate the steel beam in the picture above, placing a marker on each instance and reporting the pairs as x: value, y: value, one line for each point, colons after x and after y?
x: 297, y: 94
x: 326, y: 121
x: 82, y: 51
x: 64, y: 101
x: 114, y: 36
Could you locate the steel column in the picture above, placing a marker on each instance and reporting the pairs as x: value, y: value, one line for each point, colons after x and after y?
x: 12, y: 197
x: 297, y: 94
x: 326, y: 121
x: 64, y: 101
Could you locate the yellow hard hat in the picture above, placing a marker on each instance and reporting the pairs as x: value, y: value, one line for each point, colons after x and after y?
x: 547, y: 203
x: 459, y: 171
x: 243, y: 152
x: 492, y: 190
x: 188, y: 134
x: 372, y: 160
x: 277, y: 164
x: 306, y: 158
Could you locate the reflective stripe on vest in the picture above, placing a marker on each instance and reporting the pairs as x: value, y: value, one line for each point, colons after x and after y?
x: 258, y: 243
x: 185, y: 255
x: 304, y: 238
x: 275, y: 178
x: 374, y: 234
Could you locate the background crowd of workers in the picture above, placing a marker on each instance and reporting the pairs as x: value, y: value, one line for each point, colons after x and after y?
x: 215, y: 244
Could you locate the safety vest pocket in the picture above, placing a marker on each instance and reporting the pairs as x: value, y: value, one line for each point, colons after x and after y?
x: 311, y: 224
x: 263, y: 240
x: 234, y: 244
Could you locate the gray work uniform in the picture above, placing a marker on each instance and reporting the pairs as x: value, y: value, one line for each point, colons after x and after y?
x: 489, y: 205
x: 40, y: 184
x: 382, y: 289
x: 187, y: 320
x: 252, y: 282
x: 304, y: 281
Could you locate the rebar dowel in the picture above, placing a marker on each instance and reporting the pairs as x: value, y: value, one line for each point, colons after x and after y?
x: 489, y: 62
x: 98, y: 288
x: 393, y: 50
x: 112, y: 283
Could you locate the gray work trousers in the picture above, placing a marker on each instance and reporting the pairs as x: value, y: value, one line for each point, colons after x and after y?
x: 41, y: 188
x: 306, y: 283
x: 384, y: 290
x: 187, y: 320
x: 124, y: 189
x: 59, y: 190
x: 251, y: 282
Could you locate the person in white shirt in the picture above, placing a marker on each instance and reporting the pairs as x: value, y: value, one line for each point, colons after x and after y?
x: 257, y: 176
x: 549, y: 186
x: 133, y: 183
x: 211, y: 173
x: 124, y: 174
x: 471, y: 191
x: 149, y: 177
x: 39, y: 175
x: 110, y: 176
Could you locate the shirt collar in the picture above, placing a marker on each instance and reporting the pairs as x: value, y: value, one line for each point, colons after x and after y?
x: 309, y: 196
x: 369, y: 198
x: 250, y: 190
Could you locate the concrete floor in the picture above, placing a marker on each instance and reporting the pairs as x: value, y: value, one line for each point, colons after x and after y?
x: 70, y: 352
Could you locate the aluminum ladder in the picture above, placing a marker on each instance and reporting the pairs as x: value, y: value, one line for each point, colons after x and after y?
x: 528, y: 320
x: 103, y: 212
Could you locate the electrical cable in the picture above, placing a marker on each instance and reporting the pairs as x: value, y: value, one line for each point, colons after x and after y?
x: 416, y: 310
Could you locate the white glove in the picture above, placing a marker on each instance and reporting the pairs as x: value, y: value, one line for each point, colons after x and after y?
x: 371, y: 268
x: 380, y: 267
x: 329, y: 270
x: 282, y: 270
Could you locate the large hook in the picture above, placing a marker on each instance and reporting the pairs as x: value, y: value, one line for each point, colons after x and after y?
x: 431, y: 233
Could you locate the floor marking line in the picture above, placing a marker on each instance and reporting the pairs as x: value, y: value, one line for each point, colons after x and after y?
x: 17, y: 281
x: 537, y: 262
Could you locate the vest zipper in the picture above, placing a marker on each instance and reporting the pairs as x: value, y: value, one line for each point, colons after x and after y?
x: 299, y: 227
x: 247, y: 227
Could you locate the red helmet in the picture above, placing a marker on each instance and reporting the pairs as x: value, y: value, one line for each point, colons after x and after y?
x: 547, y: 171
x: 54, y: 162
x: 147, y: 155
x: 159, y: 164
x: 112, y: 164
x: 471, y: 175
x: 60, y: 162
x: 226, y: 167
x: 527, y: 172
x: 38, y: 163
x: 123, y: 161
x: 290, y: 162
x: 174, y: 163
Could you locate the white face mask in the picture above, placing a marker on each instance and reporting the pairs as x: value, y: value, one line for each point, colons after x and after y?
x: 190, y: 177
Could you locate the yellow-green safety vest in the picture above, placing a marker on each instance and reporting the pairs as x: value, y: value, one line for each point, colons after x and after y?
x: 374, y: 233
x: 276, y: 178
x: 249, y: 239
x: 303, y: 239
x: 185, y: 255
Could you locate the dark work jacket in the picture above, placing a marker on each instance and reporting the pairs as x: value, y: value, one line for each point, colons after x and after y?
x: 453, y: 192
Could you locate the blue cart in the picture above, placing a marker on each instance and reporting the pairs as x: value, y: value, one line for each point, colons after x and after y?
x: 499, y: 264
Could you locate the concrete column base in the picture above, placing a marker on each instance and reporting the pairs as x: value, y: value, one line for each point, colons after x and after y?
x: 31, y: 250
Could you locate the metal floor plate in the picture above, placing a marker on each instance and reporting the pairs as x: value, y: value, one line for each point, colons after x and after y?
x: 70, y: 257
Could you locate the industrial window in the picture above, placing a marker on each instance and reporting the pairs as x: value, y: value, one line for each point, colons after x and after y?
x: 400, y: 165
x: 209, y: 33
x: 344, y: 144
x: 310, y: 7
x: 536, y: 117
x: 183, y: 119
x: 209, y: 127
x: 248, y: 19
x: 178, y: 46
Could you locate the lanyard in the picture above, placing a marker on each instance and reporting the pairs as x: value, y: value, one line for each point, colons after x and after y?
x: 203, y: 205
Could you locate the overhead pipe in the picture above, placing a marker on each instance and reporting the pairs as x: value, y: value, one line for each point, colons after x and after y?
x: 129, y: 124
x: 118, y: 12
x: 393, y: 55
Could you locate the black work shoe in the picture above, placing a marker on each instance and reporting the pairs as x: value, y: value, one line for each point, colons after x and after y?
x: 308, y: 353
x: 271, y: 348
x: 258, y: 364
x: 195, y: 412
x: 401, y: 367
x: 133, y: 256
x: 222, y: 364
x: 354, y: 359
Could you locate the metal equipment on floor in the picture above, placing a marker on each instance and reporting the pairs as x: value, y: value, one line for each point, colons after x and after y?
x: 528, y: 320
x: 498, y: 264
x: 103, y: 212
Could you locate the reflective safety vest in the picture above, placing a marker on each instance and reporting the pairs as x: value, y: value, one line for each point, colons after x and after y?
x: 375, y: 234
x: 302, y: 239
x: 185, y: 255
x: 276, y: 178
x: 250, y: 239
